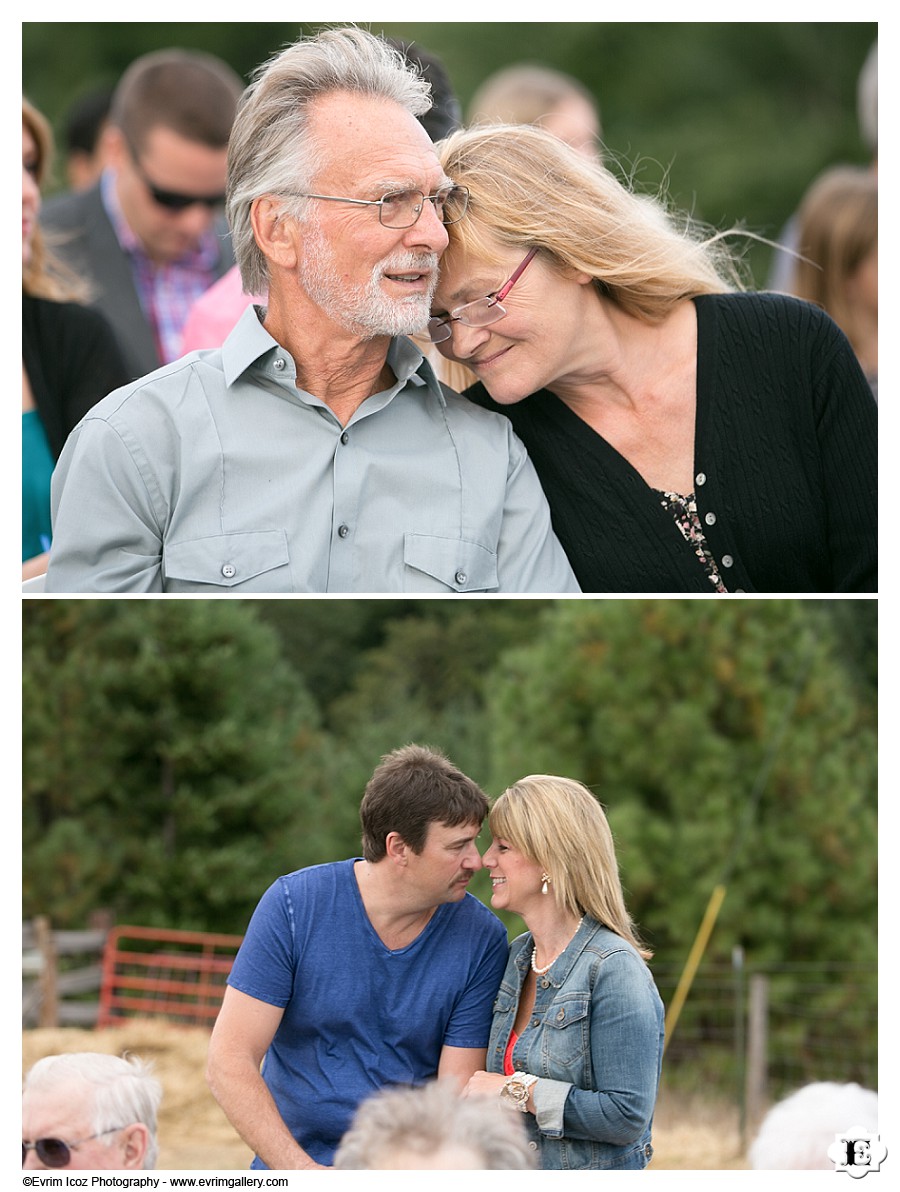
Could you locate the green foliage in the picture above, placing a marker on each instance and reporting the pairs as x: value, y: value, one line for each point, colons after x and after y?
x: 727, y: 747
x: 160, y: 758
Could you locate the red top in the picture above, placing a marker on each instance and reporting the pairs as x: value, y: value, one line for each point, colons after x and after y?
x: 508, y: 1068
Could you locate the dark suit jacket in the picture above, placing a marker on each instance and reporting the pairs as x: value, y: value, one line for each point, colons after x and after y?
x: 82, y: 236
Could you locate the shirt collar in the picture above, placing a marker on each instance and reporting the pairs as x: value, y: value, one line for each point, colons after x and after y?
x: 249, y: 343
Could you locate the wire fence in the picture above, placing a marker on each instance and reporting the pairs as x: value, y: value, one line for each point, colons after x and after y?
x: 820, y: 1023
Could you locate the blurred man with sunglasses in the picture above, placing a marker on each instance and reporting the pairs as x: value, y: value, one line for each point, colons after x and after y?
x: 89, y: 1112
x: 315, y: 451
x: 151, y: 237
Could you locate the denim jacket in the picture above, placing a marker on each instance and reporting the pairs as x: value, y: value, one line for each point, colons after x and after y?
x: 595, y: 1040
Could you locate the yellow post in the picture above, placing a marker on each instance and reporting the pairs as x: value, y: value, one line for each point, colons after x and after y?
x: 693, y: 961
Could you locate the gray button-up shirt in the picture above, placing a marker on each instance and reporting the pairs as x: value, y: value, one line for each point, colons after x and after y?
x: 216, y: 474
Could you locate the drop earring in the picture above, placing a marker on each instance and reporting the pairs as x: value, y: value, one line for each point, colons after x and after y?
x: 545, y: 879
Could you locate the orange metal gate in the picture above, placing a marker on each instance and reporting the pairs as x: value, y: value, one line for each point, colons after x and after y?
x: 157, y: 973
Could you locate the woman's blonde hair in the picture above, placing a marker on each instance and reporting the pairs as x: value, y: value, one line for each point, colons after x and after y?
x: 44, y: 276
x: 558, y: 823
x: 528, y: 188
x: 837, y: 228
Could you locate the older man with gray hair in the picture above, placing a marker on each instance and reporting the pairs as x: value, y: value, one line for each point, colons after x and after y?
x: 87, y: 1111
x: 315, y: 451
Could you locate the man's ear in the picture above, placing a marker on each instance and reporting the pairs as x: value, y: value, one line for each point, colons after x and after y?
x: 115, y: 149
x: 276, y: 234
x: 397, y: 848
x: 135, y: 1140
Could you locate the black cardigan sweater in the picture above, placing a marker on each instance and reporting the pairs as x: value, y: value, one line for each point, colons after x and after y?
x: 72, y: 360
x: 785, y: 462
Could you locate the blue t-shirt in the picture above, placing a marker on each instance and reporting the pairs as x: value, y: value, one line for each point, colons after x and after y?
x: 357, y: 1016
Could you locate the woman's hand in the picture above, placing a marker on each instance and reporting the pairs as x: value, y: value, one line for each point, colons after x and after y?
x: 484, y: 1084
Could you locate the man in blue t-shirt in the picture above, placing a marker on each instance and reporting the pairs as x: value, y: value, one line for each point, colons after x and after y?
x: 360, y: 974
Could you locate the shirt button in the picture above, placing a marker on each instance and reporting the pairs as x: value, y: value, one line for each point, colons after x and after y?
x: 727, y: 561
x: 461, y: 577
x: 229, y: 570
x: 345, y: 438
x: 343, y: 531
x: 700, y: 478
x: 279, y: 364
x: 710, y: 519
x: 544, y: 983
x: 532, y: 1146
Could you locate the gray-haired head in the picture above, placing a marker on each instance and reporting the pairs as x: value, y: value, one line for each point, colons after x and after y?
x: 272, y: 149
x: 431, y: 1126
x: 122, y: 1090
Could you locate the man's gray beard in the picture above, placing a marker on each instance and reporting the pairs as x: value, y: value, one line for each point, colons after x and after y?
x: 368, y: 312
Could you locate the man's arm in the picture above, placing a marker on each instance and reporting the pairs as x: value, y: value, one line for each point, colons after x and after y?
x: 460, y: 1063
x: 106, y: 535
x: 244, y: 1029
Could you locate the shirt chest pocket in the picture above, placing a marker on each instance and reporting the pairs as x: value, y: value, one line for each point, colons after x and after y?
x: 256, y: 561
x: 454, y: 563
x: 566, y: 1035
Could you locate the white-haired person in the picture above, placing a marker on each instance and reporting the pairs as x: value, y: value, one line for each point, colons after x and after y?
x: 797, y: 1131
x: 87, y: 1111
x: 577, y: 1035
x: 690, y: 437
x: 430, y: 1127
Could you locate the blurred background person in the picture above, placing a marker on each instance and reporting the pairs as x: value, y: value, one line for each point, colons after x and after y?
x: 528, y: 93
x: 430, y: 1127
x: 688, y: 437
x: 796, y: 1132
x: 90, y: 1112
x: 150, y: 237
x: 577, y: 1038
x: 70, y: 358
x: 837, y: 262
x: 84, y: 143
x: 214, y: 313
x: 784, y: 259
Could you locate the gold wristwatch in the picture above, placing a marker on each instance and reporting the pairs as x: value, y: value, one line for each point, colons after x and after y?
x: 514, y: 1090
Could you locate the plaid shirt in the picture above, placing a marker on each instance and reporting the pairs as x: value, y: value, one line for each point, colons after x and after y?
x: 167, y: 290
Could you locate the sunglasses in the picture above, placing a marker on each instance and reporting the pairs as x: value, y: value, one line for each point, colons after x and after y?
x: 54, y: 1152
x: 174, y: 200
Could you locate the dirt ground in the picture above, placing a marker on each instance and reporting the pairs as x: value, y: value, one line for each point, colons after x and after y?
x: 194, y: 1134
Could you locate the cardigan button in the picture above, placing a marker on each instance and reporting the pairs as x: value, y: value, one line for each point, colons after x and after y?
x: 727, y: 561
x: 710, y: 519
x: 701, y: 478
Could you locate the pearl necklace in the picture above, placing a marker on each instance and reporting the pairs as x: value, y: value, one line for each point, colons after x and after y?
x: 540, y: 971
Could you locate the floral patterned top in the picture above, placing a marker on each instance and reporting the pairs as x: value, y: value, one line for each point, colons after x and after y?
x: 684, y: 510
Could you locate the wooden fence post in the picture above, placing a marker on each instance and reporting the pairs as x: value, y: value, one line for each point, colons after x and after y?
x: 755, y: 1091
x: 49, y: 1010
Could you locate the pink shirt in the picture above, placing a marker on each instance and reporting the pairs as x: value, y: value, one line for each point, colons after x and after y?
x: 214, y: 313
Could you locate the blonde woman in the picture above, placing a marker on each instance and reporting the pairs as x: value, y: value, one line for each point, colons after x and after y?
x: 689, y: 437
x: 577, y: 1035
x: 837, y: 269
x: 69, y: 356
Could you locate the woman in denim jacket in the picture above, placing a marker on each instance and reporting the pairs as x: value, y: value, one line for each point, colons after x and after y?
x: 577, y: 1036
